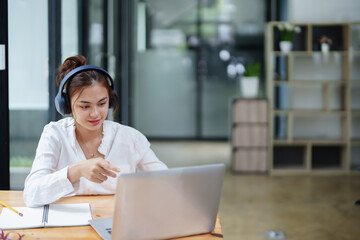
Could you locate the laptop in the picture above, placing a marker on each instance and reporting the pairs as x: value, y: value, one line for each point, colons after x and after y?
x: 164, y: 204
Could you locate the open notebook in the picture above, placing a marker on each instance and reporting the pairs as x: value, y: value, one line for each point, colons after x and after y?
x: 53, y: 215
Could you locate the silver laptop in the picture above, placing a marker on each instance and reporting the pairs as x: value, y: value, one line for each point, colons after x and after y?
x: 164, y: 204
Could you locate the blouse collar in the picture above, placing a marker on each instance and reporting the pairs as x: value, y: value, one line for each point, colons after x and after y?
x: 105, y: 143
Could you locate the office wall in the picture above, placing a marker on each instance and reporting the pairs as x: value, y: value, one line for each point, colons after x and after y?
x: 323, y: 10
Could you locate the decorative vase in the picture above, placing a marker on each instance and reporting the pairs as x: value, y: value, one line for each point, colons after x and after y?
x: 325, y: 47
x: 249, y: 87
x: 285, y: 46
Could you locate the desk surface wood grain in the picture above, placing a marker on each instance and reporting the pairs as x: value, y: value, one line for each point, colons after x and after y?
x: 101, y: 206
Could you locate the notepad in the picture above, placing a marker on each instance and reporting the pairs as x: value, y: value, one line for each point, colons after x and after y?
x: 53, y: 215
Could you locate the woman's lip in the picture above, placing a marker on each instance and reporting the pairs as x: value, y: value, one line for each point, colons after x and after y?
x: 95, y: 122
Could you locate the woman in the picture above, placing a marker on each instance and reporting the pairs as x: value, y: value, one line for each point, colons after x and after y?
x: 82, y: 154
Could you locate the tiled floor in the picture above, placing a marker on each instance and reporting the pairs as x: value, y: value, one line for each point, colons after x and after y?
x: 302, y: 207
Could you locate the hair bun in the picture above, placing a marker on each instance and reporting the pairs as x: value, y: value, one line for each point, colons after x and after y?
x: 69, y: 64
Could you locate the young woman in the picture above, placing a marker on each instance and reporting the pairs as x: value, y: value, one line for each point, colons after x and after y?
x: 82, y: 154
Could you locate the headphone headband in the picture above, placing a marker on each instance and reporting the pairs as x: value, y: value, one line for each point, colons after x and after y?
x: 62, y: 99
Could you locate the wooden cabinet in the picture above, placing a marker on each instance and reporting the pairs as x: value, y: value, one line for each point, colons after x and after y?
x: 314, y: 98
x: 249, y: 135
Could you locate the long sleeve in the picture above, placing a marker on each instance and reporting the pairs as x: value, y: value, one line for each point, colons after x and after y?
x: 150, y: 162
x: 45, y: 183
x: 146, y: 158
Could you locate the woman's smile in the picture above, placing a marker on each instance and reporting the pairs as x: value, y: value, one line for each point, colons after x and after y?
x: 95, y: 122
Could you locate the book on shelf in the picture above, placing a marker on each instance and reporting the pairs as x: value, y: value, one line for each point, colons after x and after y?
x: 280, y: 127
x: 53, y: 215
x: 282, y: 100
x: 280, y: 68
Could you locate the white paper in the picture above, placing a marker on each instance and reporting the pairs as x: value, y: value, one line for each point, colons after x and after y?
x: 69, y: 215
x: 60, y: 215
x: 32, y: 218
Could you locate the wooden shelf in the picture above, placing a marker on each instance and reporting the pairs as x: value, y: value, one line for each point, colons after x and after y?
x: 309, y: 82
x: 308, y: 53
x: 355, y: 142
x: 318, y: 172
x: 304, y: 142
x: 309, y: 112
x: 357, y: 52
x: 355, y: 112
x: 325, y: 84
x: 290, y: 168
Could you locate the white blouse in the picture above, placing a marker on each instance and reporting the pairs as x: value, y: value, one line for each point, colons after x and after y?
x: 123, y: 146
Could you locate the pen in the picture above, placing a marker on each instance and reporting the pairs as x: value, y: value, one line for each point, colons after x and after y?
x: 5, y: 205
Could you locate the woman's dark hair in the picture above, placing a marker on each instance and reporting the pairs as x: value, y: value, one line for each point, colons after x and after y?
x: 84, y: 79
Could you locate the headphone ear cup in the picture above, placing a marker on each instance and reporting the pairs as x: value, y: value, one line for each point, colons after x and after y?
x: 59, y: 104
x: 67, y: 105
x: 113, y: 99
x: 112, y: 102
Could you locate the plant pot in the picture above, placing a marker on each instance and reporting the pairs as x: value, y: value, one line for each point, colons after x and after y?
x: 325, y: 47
x: 285, y: 46
x: 249, y: 87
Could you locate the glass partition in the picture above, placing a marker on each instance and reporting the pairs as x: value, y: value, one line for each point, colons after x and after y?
x: 28, y: 83
x: 187, y: 64
x: 69, y: 29
x: 28, y: 77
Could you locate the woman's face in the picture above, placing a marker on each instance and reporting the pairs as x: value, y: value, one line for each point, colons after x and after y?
x: 90, y: 106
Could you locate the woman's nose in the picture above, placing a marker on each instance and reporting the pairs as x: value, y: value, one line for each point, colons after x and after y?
x: 94, y: 111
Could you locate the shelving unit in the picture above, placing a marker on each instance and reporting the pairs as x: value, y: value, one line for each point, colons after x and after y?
x: 249, y: 135
x: 314, y: 99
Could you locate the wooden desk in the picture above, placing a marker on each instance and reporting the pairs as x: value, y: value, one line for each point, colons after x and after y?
x: 101, y: 206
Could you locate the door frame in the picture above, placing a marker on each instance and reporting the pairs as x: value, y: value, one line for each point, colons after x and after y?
x: 4, y: 100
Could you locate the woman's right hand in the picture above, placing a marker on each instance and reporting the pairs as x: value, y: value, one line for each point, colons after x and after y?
x: 95, y: 170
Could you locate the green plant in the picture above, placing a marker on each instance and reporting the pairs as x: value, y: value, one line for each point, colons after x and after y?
x: 287, y: 31
x: 253, y: 69
x: 21, y: 161
x: 325, y: 39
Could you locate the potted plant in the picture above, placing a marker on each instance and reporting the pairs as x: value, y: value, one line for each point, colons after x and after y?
x: 287, y: 31
x: 250, y: 81
x: 325, y: 43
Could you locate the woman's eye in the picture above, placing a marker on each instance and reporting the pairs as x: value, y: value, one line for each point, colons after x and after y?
x: 84, y: 107
x: 102, y: 104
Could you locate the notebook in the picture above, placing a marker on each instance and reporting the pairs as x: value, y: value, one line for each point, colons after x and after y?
x: 53, y: 215
x: 164, y: 204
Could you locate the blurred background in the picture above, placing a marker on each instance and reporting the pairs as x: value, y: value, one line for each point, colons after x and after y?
x: 173, y: 62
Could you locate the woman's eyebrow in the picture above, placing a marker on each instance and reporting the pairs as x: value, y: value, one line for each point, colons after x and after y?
x: 83, y: 101
x: 104, y: 98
